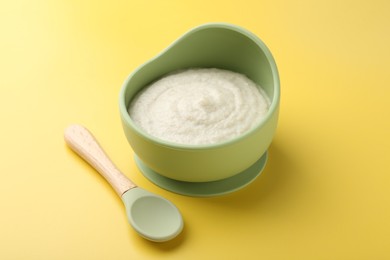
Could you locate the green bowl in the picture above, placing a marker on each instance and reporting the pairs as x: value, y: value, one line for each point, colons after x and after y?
x: 216, y: 45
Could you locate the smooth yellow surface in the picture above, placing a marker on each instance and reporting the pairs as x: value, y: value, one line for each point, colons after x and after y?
x: 325, y: 193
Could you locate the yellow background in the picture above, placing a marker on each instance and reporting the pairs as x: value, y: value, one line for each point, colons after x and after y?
x: 325, y: 192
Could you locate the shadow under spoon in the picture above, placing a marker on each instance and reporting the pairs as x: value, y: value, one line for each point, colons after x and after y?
x: 153, y: 217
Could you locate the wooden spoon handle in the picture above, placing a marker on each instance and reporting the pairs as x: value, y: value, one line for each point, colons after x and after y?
x: 84, y: 144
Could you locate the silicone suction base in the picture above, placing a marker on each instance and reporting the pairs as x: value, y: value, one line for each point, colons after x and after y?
x: 205, y: 189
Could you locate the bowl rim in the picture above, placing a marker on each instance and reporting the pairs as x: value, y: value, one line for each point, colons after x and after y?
x: 273, y: 107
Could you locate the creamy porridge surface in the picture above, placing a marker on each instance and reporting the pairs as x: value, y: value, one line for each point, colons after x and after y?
x: 199, y: 106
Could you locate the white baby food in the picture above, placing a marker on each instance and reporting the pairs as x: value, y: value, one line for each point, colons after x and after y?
x: 199, y: 106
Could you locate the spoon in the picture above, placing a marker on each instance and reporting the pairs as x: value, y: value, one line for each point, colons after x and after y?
x: 153, y: 217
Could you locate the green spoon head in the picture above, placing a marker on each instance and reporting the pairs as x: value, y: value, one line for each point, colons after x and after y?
x: 152, y: 216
